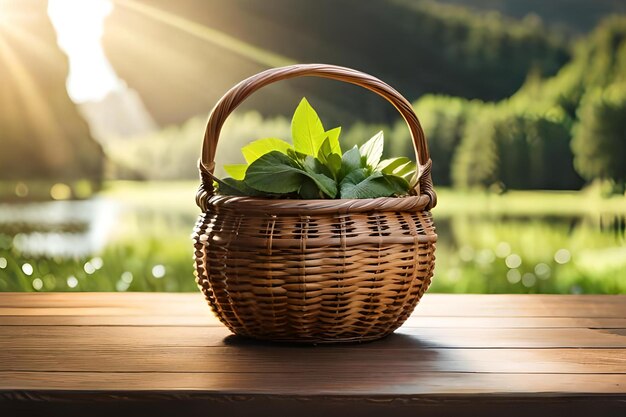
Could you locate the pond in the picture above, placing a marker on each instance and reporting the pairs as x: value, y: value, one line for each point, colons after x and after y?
x: 136, y: 237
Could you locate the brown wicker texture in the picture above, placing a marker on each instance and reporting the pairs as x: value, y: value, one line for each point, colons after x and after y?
x: 313, y: 271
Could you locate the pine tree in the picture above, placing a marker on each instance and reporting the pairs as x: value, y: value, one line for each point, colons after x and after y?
x: 599, y: 143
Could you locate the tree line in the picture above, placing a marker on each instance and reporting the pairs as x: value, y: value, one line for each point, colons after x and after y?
x: 554, y: 133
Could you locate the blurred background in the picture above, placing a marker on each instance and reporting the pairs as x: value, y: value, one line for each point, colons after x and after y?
x: 103, y: 105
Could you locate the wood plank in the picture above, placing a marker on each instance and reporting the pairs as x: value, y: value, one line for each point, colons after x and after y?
x: 198, y: 404
x: 513, y: 355
x: 414, y: 321
x: 151, y: 320
x: 40, y: 337
x: 86, y: 299
x: 329, y: 361
x: 445, y: 305
x: 404, y: 384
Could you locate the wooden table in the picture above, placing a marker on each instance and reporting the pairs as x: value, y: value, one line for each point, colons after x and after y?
x: 138, y: 354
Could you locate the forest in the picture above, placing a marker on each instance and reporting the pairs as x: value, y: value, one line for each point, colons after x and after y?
x: 560, y: 129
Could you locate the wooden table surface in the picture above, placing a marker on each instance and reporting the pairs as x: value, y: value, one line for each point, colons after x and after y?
x: 144, y: 354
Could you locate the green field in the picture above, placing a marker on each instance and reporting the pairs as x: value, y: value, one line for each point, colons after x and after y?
x: 520, y: 242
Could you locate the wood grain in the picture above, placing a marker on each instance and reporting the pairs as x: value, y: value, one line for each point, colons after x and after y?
x: 138, y: 354
x: 439, y: 305
x: 414, y: 321
x: 329, y: 361
x: 405, y: 384
x: 38, y: 337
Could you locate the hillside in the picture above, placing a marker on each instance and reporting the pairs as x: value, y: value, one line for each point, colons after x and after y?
x: 572, y: 16
x: 181, y: 56
x: 42, y: 134
x: 542, y: 137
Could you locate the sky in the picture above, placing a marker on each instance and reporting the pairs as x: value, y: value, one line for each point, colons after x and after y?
x: 79, y: 26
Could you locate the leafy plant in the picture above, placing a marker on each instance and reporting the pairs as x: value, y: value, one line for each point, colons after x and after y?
x: 315, y: 165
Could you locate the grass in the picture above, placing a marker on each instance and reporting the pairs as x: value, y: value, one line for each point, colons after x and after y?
x: 172, y: 196
x: 519, y: 242
x: 528, y: 203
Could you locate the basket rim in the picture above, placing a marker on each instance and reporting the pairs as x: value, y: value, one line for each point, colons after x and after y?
x: 270, y: 206
x: 240, y: 92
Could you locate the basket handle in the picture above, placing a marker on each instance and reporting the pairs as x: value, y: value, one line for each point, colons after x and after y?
x: 236, y: 95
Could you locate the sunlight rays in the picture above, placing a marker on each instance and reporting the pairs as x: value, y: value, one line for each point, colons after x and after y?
x: 254, y: 53
x: 30, y: 99
x: 24, y: 38
x: 79, y: 27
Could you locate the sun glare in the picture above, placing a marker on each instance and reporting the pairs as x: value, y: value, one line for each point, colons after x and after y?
x: 79, y: 26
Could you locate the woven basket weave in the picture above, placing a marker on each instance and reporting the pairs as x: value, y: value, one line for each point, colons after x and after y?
x: 313, y: 271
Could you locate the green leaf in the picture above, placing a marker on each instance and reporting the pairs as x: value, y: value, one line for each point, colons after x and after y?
x: 275, y: 172
x: 237, y: 171
x: 307, y: 130
x: 350, y: 161
x: 231, y: 186
x: 314, y: 165
x: 254, y: 150
x: 325, y: 150
x: 400, y: 185
x: 358, y: 184
x: 331, y: 160
x: 333, y: 136
x: 405, y: 169
x: 389, y: 165
x: 317, y: 172
x: 298, y: 156
x: 228, y: 186
x: 402, y: 168
x: 309, y: 190
x: 372, y: 150
x: 327, y: 185
x: 334, y: 164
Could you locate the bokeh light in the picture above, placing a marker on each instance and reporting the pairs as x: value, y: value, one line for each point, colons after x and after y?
x: 513, y: 276
x: 97, y: 262
x: 158, y: 271
x: 121, y: 286
x: 542, y: 271
x: 562, y: 256
x: 528, y: 279
x: 503, y: 249
x: 37, y: 284
x: 513, y: 261
x: 21, y: 189
x: 27, y: 269
x: 72, y: 281
x: 127, y: 277
x: 89, y: 268
x: 60, y: 191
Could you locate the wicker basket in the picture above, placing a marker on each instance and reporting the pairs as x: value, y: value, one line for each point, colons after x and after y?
x: 313, y: 271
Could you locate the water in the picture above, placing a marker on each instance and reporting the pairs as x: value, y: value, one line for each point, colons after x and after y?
x: 60, y: 229
x: 137, y: 238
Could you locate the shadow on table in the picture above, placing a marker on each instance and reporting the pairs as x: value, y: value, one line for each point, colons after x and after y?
x: 393, y: 341
x: 396, y: 360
